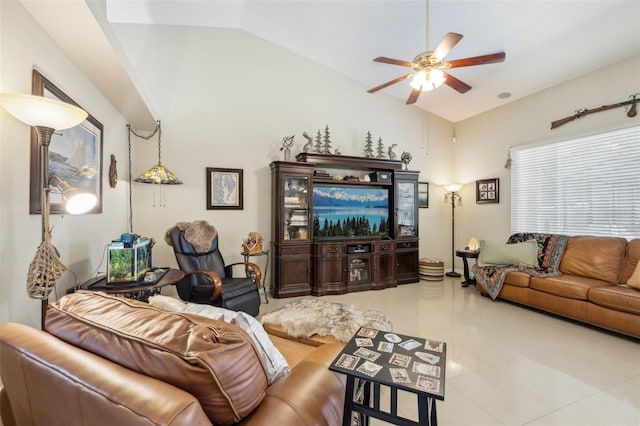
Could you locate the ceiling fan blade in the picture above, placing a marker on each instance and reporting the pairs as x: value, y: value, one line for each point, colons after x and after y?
x: 477, y: 60
x: 393, y: 61
x: 456, y: 84
x: 413, y: 96
x: 389, y: 83
x: 445, y: 46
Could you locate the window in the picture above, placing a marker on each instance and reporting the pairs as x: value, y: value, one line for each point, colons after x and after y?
x: 583, y: 186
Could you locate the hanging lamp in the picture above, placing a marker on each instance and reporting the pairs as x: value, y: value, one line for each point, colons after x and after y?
x: 157, y: 174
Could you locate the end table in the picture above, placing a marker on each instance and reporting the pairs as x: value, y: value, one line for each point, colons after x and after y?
x: 266, y: 270
x: 467, y: 254
x: 412, y: 364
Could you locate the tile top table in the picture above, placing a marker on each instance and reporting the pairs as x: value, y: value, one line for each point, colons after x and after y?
x: 412, y: 364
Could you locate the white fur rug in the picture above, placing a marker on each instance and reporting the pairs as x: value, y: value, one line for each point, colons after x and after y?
x: 306, y: 317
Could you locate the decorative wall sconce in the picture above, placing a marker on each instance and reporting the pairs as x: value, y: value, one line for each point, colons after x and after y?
x: 455, y: 198
x: 46, y: 116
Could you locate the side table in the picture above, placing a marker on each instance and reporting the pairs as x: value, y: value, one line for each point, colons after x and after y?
x: 374, y: 358
x: 467, y: 254
x: 138, y: 291
x: 266, y: 270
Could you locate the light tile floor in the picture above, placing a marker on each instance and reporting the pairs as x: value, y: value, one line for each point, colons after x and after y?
x: 508, y: 365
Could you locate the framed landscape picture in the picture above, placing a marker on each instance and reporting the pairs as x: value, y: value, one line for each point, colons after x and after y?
x: 423, y: 195
x: 224, y: 189
x: 488, y: 191
x: 75, y: 154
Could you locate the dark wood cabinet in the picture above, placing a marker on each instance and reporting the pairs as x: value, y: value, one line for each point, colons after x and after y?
x: 320, y: 265
x: 384, y: 264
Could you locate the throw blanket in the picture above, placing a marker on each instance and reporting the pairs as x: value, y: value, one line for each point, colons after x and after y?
x: 550, y: 250
x: 199, y: 234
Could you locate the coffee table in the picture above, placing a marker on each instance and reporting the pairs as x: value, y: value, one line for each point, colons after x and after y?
x: 374, y: 358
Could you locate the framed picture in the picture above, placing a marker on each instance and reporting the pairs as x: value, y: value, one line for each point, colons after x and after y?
x: 423, y: 195
x: 75, y: 154
x: 488, y: 191
x: 224, y: 189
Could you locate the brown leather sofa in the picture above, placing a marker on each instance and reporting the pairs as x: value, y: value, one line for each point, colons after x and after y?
x: 65, y: 376
x: 588, y: 290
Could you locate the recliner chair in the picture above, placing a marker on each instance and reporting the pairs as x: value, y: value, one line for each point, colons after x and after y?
x: 208, y: 280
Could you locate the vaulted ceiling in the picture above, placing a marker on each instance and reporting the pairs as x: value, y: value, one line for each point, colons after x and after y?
x: 546, y: 42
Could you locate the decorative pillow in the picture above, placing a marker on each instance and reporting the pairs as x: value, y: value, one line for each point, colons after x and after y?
x: 214, y: 361
x: 274, y: 363
x: 634, y: 279
x: 508, y: 254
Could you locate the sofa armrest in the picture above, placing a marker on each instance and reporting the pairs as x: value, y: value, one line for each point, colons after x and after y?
x: 67, y: 385
x: 310, y: 395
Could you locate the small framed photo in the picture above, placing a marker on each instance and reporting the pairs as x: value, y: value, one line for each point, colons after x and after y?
x: 488, y: 191
x: 224, y: 189
x: 423, y: 195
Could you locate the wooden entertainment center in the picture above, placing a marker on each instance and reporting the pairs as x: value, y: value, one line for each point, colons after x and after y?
x: 305, y: 263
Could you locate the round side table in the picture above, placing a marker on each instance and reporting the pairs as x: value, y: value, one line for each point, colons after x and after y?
x: 467, y: 254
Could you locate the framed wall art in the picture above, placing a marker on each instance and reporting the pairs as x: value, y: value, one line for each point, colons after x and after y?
x: 75, y: 154
x: 224, y: 189
x: 488, y: 191
x: 423, y: 195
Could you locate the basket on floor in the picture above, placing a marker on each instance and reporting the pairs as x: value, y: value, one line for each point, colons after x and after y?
x: 431, y: 269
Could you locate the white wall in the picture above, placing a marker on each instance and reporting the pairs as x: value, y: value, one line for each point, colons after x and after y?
x: 80, y: 239
x: 227, y: 98
x: 483, y: 141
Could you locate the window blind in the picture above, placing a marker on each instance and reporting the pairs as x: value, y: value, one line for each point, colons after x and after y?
x: 584, y: 186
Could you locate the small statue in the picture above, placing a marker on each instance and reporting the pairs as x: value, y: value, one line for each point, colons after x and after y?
x: 380, y: 150
x: 406, y: 159
x: 368, y: 146
x: 307, y: 146
x: 392, y: 155
x: 337, y: 151
x: 287, y: 144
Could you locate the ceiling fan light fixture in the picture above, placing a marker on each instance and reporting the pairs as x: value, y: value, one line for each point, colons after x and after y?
x: 427, y: 80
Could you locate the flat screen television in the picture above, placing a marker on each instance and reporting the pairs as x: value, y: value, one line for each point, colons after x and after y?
x: 350, y: 211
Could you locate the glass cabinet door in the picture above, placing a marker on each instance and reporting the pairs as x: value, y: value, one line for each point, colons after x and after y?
x: 296, y: 208
x: 406, y: 209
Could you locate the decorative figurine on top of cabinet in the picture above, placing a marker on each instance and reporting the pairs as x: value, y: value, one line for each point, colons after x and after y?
x: 287, y: 144
x: 380, y: 150
x: 317, y: 147
x: 307, y: 146
x: 327, y: 141
x: 406, y: 159
x: 368, y: 146
x: 392, y: 155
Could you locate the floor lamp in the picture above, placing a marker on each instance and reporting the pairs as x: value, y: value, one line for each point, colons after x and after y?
x: 453, y: 196
x: 46, y: 116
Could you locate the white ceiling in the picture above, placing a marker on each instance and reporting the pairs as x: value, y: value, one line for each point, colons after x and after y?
x: 546, y: 42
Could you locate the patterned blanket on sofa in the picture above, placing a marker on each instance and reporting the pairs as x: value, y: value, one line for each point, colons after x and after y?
x: 550, y: 250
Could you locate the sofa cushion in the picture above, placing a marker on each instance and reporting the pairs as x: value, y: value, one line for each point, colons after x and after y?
x: 214, y: 361
x: 631, y: 260
x: 634, y: 279
x: 570, y: 286
x: 275, y: 364
x: 616, y: 297
x: 594, y: 257
x: 492, y: 253
x: 518, y: 279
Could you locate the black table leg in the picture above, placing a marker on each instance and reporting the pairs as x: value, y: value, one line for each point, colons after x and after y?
x: 467, y: 278
x: 348, y: 401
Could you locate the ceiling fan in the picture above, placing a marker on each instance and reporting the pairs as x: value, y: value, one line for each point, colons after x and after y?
x: 429, y: 67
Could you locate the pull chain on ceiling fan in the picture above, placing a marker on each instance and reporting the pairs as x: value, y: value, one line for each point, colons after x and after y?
x: 429, y: 66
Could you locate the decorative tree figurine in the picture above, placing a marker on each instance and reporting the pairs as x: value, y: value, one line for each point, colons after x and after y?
x: 380, y: 150
x: 368, y: 146
x: 317, y: 147
x: 327, y: 141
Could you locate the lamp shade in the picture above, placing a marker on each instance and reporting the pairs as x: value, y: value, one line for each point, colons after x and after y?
x: 453, y: 187
x: 41, y: 111
x: 159, y: 174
